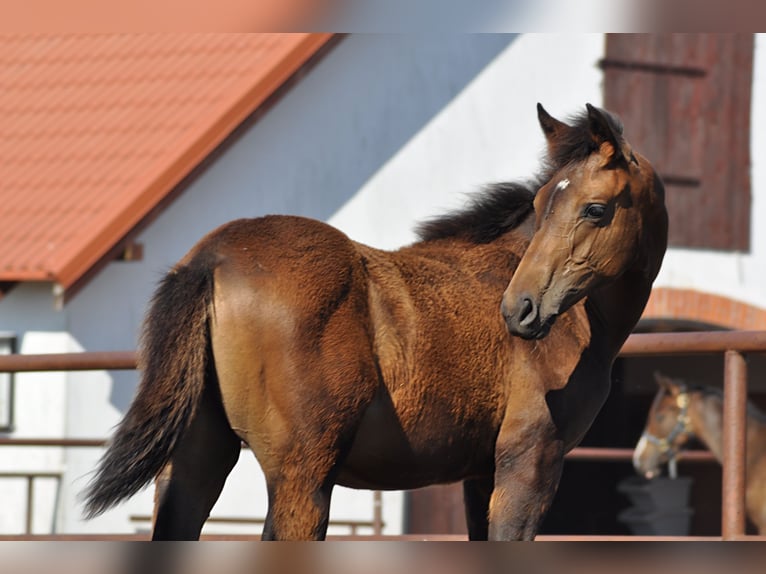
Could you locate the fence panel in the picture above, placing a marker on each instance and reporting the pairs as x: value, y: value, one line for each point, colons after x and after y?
x: 732, y: 344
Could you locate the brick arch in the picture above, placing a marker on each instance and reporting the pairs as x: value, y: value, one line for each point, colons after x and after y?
x: 691, y: 305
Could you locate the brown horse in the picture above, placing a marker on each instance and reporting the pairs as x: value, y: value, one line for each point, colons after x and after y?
x: 342, y: 364
x: 680, y: 413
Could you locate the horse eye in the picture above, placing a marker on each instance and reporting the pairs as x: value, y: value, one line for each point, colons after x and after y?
x: 594, y: 211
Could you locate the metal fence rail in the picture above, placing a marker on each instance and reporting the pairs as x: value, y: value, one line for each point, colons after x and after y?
x: 732, y: 344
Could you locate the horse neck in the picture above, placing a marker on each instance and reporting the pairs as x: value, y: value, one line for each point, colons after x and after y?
x: 705, y: 419
x: 756, y: 436
x: 706, y: 414
x: 615, y: 309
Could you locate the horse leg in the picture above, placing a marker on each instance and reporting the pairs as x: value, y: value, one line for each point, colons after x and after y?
x: 299, y: 498
x: 190, y: 485
x: 303, y: 467
x: 161, y: 482
x: 293, y: 515
x: 527, y: 472
x: 476, y: 495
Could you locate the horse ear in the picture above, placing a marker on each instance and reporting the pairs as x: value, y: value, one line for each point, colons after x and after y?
x: 603, y: 132
x: 661, y: 379
x: 552, y: 128
x: 666, y: 383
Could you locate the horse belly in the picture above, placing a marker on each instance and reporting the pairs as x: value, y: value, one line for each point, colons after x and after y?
x: 386, y: 456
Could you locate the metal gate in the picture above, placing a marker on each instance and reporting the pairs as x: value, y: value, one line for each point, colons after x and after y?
x: 732, y: 344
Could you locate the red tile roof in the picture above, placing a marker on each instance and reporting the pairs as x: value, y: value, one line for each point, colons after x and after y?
x: 96, y: 130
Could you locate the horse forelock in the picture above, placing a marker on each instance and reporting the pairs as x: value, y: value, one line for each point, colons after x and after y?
x: 576, y: 144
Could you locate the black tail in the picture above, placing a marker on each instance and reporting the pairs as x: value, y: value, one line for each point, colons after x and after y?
x: 173, y: 358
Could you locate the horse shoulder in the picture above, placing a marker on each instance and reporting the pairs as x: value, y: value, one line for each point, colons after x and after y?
x: 391, y: 309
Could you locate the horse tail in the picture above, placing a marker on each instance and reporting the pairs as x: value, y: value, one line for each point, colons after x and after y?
x: 175, y: 361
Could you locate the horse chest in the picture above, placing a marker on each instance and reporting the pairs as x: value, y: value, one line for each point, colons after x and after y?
x: 574, y: 407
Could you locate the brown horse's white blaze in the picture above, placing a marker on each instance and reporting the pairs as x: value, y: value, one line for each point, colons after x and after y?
x: 338, y: 363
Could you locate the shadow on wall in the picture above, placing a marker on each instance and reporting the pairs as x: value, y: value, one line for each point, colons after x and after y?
x: 408, y: 16
x: 349, y: 117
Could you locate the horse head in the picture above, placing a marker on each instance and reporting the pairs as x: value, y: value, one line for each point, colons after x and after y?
x: 667, y: 427
x: 592, y: 216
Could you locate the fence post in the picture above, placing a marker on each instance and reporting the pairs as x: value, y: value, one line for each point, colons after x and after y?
x: 377, y: 513
x: 734, y: 445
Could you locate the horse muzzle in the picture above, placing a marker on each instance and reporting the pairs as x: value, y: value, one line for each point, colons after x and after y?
x: 523, y: 317
x: 646, y: 460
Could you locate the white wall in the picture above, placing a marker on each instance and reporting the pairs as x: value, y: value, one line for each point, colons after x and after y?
x: 485, y: 16
x: 28, y: 312
x: 489, y: 132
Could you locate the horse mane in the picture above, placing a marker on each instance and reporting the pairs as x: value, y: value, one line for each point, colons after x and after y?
x: 707, y: 391
x: 501, y: 207
x: 498, y: 209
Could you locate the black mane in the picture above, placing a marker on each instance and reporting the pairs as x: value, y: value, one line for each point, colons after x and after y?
x: 497, y: 209
x: 709, y: 391
x: 503, y: 206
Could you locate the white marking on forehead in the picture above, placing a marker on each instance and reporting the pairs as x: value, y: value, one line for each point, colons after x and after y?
x: 562, y: 185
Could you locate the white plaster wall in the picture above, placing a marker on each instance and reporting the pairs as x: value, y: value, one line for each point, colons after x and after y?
x: 489, y: 132
x: 485, y: 16
x: 740, y: 276
x: 38, y: 413
x: 28, y: 312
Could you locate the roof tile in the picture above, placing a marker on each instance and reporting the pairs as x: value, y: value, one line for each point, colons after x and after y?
x: 95, y: 130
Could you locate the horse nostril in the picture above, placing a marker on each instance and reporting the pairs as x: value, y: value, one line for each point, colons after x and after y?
x: 527, y: 311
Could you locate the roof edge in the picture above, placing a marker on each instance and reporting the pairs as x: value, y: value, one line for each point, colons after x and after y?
x: 161, y: 183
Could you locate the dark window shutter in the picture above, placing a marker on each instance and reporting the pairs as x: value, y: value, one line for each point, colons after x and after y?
x: 685, y: 103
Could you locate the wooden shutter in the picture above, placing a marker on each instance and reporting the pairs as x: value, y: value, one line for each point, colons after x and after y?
x: 685, y: 103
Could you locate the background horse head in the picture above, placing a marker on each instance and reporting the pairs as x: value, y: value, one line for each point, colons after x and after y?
x: 681, y: 414
x: 669, y: 427
x: 338, y: 363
